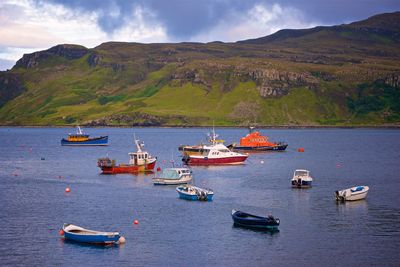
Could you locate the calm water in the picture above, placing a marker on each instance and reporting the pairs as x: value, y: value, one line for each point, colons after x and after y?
x: 314, y: 229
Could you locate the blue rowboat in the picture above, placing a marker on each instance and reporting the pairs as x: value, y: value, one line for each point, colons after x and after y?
x: 191, y: 192
x: 79, y: 234
x: 247, y: 220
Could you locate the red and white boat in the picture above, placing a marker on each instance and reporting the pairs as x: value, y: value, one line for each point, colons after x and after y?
x: 214, y: 154
x: 140, y: 161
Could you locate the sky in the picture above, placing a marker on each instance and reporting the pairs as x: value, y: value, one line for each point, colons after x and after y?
x: 27, y: 26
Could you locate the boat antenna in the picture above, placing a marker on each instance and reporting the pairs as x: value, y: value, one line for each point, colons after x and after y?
x: 138, y: 146
x: 79, y: 130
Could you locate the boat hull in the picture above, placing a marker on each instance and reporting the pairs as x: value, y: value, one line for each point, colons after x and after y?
x: 254, y: 222
x: 78, y: 234
x: 259, y: 148
x: 162, y: 181
x: 350, y: 195
x: 99, y: 141
x: 192, y: 160
x: 301, y: 184
x: 206, y: 196
x: 128, y: 168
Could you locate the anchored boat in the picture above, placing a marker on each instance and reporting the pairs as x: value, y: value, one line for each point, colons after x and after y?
x: 82, y: 139
x: 173, y: 176
x: 80, y: 234
x: 191, y: 192
x: 140, y: 161
x: 244, y: 219
x: 352, y: 194
x: 254, y: 141
x: 301, y: 179
x: 214, y: 154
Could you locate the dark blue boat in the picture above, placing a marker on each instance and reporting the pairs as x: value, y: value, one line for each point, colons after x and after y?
x: 81, y: 139
x: 79, y: 234
x: 247, y: 220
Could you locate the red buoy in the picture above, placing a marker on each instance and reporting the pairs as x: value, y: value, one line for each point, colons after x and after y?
x: 158, y: 169
x: 136, y: 222
x: 301, y: 149
x: 67, y: 189
x: 61, y: 232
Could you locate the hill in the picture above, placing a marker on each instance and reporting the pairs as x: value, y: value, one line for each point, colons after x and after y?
x: 341, y: 75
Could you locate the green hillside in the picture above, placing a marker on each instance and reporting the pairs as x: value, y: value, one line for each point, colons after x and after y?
x: 340, y: 75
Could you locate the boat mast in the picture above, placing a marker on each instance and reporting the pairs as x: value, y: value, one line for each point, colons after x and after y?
x: 79, y: 130
x: 138, y: 145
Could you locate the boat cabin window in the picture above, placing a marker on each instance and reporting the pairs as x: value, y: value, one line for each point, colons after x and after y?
x: 223, y: 150
x: 301, y: 173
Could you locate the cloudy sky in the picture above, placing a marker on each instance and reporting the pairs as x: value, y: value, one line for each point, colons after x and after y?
x: 31, y: 25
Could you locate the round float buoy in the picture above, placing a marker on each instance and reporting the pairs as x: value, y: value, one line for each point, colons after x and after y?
x: 61, y: 232
x: 262, y: 162
x: 121, y: 240
x: 67, y: 189
x: 158, y: 169
x: 135, y: 222
x: 301, y: 149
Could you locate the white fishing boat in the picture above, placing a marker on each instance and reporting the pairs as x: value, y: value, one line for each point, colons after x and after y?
x: 173, y: 176
x: 301, y: 179
x: 352, y: 194
x: 214, y: 154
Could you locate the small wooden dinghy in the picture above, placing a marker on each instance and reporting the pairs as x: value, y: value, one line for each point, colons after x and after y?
x: 352, y: 194
x: 244, y: 219
x: 79, y: 234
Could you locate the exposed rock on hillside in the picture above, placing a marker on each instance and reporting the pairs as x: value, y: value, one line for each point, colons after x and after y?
x: 10, y: 87
x: 67, y: 51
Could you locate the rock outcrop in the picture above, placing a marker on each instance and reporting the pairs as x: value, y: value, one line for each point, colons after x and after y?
x: 65, y: 50
x: 11, y: 86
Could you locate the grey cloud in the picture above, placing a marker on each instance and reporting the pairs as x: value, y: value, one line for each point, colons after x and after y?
x: 183, y: 19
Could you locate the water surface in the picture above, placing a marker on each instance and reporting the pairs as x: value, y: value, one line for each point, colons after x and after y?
x: 314, y: 229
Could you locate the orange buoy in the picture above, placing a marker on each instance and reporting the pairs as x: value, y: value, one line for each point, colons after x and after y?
x: 67, y: 189
x: 61, y: 232
x: 301, y: 149
x: 158, y: 169
x: 136, y: 222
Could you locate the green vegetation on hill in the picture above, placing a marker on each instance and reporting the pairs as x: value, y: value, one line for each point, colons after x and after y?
x: 340, y: 75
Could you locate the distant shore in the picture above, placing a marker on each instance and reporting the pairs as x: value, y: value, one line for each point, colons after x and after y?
x: 216, y: 126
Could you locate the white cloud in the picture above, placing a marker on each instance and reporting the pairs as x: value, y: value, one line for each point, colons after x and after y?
x: 27, y: 27
x: 261, y: 20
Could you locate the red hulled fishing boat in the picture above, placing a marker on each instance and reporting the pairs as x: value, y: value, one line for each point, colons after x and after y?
x: 140, y: 161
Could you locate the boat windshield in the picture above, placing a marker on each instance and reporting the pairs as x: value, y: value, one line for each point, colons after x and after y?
x: 223, y: 150
x: 169, y: 174
x: 301, y: 173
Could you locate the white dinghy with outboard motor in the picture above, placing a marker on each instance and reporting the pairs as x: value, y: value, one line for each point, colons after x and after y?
x: 352, y: 194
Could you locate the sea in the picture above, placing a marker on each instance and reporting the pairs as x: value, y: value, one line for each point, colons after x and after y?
x: 314, y: 229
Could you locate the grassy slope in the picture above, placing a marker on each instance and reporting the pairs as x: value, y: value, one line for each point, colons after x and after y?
x: 136, y: 78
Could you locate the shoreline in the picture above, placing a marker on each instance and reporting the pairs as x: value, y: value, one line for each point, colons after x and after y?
x: 210, y: 126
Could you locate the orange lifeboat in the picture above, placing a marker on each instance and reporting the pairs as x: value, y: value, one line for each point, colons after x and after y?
x: 254, y: 141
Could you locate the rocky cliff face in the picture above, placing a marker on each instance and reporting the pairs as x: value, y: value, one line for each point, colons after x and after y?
x: 270, y: 82
x: 10, y: 87
x: 393, y: 80
x: 67, y: 51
